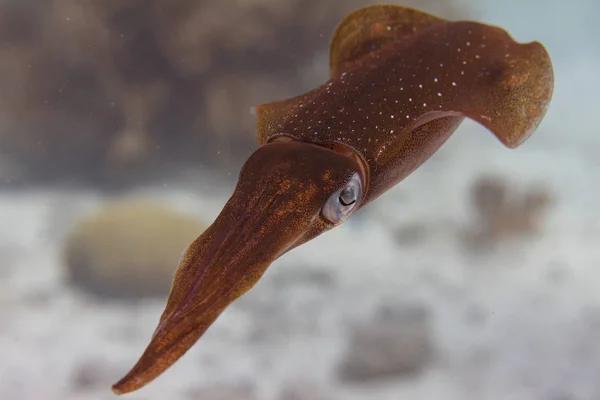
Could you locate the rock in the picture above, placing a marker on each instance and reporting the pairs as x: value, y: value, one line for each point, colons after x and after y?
x: 395, y: 344
x: 245, y: 391
x: 113, y: 91
x: 302, y: 392
x: 502, y: 211
x: 91, y: 374
x: 128, y: 249
x: 411, y: 235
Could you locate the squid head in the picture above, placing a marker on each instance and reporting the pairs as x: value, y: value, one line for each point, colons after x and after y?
x: 288, y: 192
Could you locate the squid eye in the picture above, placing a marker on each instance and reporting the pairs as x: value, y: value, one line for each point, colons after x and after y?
x: 343, y: 202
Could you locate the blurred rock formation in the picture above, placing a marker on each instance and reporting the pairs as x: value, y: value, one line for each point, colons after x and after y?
x: 110, y: 91
x: 396, y: 344
x: 503, y: 212
x: 129, y: 249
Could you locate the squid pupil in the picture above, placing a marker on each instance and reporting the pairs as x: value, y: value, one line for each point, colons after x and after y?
x: 347, y: 197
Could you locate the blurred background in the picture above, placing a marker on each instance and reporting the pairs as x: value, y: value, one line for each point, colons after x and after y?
x: 123, y: 125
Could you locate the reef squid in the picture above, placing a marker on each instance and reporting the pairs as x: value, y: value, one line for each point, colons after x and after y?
x: 401, y: 81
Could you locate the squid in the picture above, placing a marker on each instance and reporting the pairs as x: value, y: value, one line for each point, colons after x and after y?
x: 401, y: 82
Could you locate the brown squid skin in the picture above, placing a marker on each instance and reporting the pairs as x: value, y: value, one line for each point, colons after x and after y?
x: 401, y: 82
x: 275, y: 207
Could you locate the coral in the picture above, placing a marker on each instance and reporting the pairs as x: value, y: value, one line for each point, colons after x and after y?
x: 129, y: 249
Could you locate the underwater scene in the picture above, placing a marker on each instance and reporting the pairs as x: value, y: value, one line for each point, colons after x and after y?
x: 299, y: 200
